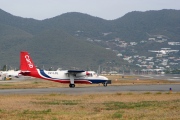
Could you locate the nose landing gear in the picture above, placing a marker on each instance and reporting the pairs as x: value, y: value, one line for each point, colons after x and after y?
x: 72, y: 85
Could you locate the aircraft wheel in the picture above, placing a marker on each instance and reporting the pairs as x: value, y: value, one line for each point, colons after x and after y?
x: 71, y: 85
x: 105, y: 84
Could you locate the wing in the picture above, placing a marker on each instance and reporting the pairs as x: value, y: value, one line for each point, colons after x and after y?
x: 153, y: 51
x: 75, y: 71
x: 172, y: 50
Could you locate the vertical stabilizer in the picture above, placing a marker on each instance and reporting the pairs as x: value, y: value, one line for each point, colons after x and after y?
x: 26, y: 63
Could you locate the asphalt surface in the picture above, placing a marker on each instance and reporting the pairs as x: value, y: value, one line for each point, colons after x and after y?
x: 97, y: 89
x: 101, y: 89
x: 173, y: 77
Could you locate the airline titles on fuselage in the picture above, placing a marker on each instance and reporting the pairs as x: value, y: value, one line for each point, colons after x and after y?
x: 53, y: 73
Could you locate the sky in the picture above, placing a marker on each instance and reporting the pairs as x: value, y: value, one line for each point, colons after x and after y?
x: 106, y: 9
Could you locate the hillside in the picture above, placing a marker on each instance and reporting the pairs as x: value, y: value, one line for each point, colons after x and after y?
x: 133, y: 26
x: 76, y: 40
x: 136, y: 25
x: 63, y: 50
x: 72, y: 22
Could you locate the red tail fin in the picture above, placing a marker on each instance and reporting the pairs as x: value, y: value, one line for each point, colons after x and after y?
x: 26, y: 63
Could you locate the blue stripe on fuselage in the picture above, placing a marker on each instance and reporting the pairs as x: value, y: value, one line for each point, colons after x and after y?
x: 97, y: 81
x: 44, y: 74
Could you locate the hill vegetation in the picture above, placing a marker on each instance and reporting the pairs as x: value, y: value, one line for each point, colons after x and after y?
x: 61, y: 41
x: 136, y: 25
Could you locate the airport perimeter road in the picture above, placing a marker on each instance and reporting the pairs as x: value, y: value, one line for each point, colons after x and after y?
x: 100, y: 89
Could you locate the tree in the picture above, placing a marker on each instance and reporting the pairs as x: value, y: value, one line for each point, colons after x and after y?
x: 4, y: 68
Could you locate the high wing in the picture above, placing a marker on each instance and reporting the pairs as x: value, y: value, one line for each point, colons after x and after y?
x: 153, y: 51
x: 75, y: 71
x: 172, y: 50
x: 78, y: 73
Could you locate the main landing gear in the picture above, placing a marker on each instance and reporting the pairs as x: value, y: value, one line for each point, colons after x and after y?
x: 105, y: 84
x: 71, y: 85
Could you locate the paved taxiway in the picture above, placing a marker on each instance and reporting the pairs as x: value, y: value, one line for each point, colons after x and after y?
x: 98, y: 89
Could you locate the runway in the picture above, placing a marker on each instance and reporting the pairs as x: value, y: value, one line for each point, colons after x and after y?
x: 97, y: 89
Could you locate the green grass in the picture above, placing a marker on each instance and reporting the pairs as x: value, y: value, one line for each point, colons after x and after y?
x: 133, y: 105
x: 36, y: 111
x: 34, y: 114
x: 158, y: 93
x: 1, y: 110
x: 58, y: 102
x: 147, y: 93
x: 35, y: 82
x: 117, y: 115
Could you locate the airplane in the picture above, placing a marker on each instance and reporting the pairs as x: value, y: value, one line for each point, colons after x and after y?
x: 164, y: 51
x: 9, y: 74
x: 28, y: 68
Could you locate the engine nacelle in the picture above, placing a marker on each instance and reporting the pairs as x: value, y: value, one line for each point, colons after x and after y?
x: 81, y: 74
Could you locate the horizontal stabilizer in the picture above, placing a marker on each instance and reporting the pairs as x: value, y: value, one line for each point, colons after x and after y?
x: 25, y: 71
